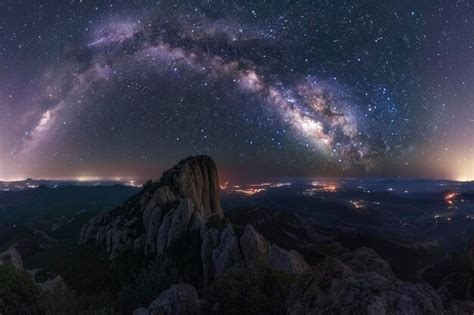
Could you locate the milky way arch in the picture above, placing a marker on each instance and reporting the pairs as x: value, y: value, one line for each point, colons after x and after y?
x: 313, y: 109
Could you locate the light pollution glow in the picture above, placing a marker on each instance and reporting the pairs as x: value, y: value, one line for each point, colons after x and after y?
x: 251, y: 189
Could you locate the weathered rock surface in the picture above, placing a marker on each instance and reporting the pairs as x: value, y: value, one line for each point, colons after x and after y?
x: 337, y: 287
x: 255, y: 247
x: 220, y: 251
x: 288, y: 261
x: 223, y: 249
x: 11, y: 257
x: 197, y: 179
x: 181, y: 201
x: 366, y: 260
x: 179, y: 299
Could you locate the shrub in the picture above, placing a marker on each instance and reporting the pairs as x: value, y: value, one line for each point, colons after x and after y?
x: 181, y: 262
x: 65, y: 301
x: 241, y: 291
x: 216, y: 222
x: 18, y: 293
x: 185, y: 252
x: 157, y: 277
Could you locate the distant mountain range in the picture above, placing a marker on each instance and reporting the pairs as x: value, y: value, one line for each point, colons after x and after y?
x: 30, y: 183
x: 377, y: 184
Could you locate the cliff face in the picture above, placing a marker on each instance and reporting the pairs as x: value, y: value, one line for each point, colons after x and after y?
x: 182, y: 200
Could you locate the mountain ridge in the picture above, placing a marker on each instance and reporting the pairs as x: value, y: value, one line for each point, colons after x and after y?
x: 187, y: 200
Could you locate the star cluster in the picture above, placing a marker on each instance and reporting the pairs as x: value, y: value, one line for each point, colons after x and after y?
x: 267, y: 88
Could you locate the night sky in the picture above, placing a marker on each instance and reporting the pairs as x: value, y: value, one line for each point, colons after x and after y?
x: 266, y: 88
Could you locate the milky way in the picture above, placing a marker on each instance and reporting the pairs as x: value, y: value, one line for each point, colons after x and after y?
x: 297, y: 88
x: 312, y: 110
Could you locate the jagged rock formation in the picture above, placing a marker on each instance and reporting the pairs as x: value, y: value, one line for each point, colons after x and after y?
x: 187, y: 198
x: 11, y: 257
x: 256, y: 249
x: 222, y: 249
x: 182, y: 200
x: 365, y: 286
x: 180, y: 299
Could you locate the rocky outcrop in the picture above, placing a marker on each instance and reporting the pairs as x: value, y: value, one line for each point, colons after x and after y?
x: 220, y: 251
x: 56, y: 283
x: 287, y: 261
x: 366, y: 260
x: 11, y: 257
x: 179, y: 299
x: 223, y: 249
x: 254, y: 246
x: 187, y: 198
x: 181, y: 201
x: 184, y: 218
x: 256, y: 250
x: 364, y: 284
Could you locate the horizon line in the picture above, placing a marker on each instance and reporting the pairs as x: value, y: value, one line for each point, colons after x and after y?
x: 121, y: 179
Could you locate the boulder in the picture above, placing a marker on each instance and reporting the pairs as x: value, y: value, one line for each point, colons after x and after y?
x: 11, y: 257
x: 287, y: 261
x: 179, y: 299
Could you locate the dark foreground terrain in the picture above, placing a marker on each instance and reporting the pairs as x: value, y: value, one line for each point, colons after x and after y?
x: 295, y: 247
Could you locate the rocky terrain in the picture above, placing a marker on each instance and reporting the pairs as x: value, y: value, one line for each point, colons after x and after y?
x: 187, y: 199
x: 361, y: 282
x: 12, y: 257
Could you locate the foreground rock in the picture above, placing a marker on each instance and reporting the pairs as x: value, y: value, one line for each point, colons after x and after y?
x: 223, y: 249
x: 364, y: 284
x: 11, y: 257
x: 179, y: 299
